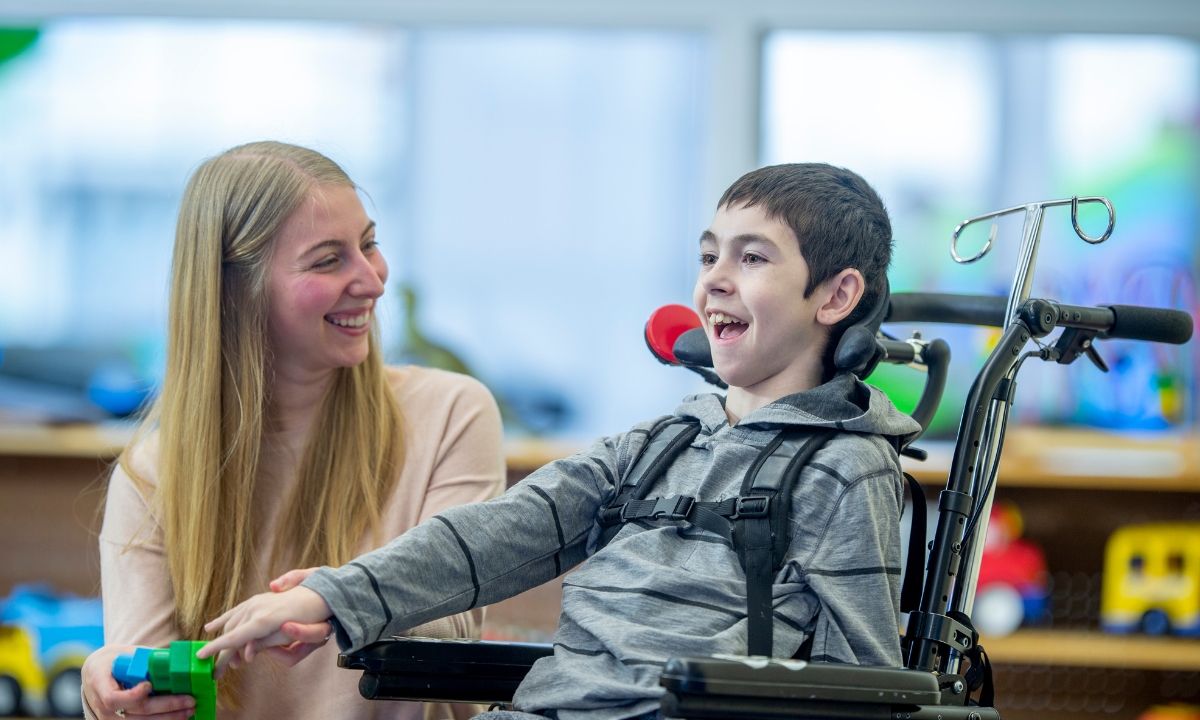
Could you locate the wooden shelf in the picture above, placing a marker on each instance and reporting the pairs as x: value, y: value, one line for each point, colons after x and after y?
x: 106, y: 441
x: 1083, y: 459
x: 529, y: 455
x: 1093, y: 649
x: 101, y: 441
x: 1033, y: 457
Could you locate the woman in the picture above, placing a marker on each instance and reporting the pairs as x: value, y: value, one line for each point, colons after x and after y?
x: 280, y: 439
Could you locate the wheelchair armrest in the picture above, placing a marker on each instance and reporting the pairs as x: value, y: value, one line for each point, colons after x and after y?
x: 429, y: 670
x: 756, y: 688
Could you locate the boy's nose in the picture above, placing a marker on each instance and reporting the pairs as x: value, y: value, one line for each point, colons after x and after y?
x: 717, y: 281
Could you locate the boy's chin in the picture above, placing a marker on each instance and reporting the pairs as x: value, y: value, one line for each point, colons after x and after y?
x: 734, y: 376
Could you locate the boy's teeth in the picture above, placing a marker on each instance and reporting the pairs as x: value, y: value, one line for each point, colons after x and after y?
x: 722, y: 319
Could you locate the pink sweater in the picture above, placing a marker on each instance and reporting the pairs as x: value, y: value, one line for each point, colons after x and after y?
x: 453, y: 455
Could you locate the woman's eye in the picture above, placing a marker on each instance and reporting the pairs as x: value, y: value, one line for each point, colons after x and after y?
x: 707, y: 258
x: 753, y: 259
x: 370, y: 245
x: 325, y: 264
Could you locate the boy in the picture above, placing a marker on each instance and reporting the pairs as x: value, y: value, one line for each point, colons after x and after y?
x: 795, y: 254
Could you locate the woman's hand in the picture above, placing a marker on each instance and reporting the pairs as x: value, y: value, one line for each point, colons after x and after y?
x: 257, y: 624
x: 105, y: 697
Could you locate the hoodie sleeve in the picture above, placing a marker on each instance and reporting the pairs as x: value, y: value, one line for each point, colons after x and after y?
x: 851, y: 568
x: 478, y: 554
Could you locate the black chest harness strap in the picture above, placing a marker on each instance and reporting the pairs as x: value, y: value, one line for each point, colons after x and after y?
x: 756, y: 522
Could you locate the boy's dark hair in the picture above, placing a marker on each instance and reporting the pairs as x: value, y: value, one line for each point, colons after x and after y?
x: 838, y: 219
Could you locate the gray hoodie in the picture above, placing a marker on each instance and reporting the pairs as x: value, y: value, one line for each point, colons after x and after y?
x: 661, y: 589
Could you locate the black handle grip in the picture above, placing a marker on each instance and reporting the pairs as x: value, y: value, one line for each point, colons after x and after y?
x: 937, y: 360
x: 1151, y: 324
x: 944, y: 308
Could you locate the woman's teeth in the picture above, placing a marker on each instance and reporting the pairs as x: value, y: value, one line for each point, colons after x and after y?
x: 353, y: 322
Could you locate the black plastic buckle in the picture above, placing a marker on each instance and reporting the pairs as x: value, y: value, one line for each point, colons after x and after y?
x: 673, y: 508
x: 754, y: 506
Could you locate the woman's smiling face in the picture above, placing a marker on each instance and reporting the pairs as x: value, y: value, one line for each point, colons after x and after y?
x: 325, y: 274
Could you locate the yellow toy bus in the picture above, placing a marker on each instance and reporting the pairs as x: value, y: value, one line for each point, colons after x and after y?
x: 22, y: 682
x: 1152, y: 579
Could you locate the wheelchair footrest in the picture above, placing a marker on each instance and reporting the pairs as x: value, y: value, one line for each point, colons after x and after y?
x: 734, y: 688
x: 429, y: 670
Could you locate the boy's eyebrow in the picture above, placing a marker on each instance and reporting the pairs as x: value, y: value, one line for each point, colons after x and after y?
x: 743, y: 239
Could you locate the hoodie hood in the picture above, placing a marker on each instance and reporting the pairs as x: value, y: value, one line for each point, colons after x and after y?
x: 845, y: 403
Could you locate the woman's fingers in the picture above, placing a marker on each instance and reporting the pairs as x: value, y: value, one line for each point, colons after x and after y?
x: 290, y: 579
x: 114, y: 698
x: 159, y: 706
x: 289, y: 655
x: 139, y: 702
x: 308, y: 632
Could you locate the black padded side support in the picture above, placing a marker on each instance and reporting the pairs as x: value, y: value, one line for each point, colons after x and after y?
x: 914, y: 571
x: 857, y: 351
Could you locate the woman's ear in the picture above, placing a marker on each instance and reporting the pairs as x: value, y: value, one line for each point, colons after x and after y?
x: 841, y: 294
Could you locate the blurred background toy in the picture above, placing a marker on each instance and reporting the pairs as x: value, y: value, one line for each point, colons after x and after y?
x: 44, y: 639
x: 20, y: 674
x: 1152, y: 580
x: 1014, y: 586
x: 1174, y: 711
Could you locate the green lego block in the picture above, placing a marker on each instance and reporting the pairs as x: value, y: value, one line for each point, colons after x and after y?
x: 181, y: 668
x: 160, y: 670
x: 204, y: 688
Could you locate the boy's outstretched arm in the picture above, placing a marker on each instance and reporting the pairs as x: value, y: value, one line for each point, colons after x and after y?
x: 465, y: 557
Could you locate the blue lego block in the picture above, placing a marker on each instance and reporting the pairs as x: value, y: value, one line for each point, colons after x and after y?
x: 130, y: 670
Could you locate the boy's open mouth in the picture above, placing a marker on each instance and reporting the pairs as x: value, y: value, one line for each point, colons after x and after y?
x: 727, y: 327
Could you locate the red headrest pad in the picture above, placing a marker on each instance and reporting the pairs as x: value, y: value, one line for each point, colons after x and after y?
x: 665, y: 326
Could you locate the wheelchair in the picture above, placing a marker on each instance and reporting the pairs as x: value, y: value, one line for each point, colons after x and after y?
x: 934, y: 683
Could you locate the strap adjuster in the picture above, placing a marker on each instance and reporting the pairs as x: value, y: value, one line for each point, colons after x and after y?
x: 753, y: 506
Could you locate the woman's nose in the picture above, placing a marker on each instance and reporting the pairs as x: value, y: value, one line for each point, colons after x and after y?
x: 369, y: 276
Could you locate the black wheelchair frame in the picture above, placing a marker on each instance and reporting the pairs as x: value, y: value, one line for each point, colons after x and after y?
x: 939, y: 633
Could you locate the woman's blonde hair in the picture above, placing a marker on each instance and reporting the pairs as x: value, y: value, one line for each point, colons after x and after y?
x: 212, y: 411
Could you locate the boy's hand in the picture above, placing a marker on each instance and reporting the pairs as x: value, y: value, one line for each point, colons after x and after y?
x: 257, y: 624
x: 308, y: 636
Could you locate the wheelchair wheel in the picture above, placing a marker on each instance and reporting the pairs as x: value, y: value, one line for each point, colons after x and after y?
x: 65, y: 693
x: 10, y: 696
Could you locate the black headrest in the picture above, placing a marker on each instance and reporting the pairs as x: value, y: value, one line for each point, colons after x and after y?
x: 857, y: 351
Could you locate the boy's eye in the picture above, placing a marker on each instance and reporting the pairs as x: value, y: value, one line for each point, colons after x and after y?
x: 708, y: 258
x: 753, y: 259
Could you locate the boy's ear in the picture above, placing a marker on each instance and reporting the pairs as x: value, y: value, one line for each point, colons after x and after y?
x: 841, y: 294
